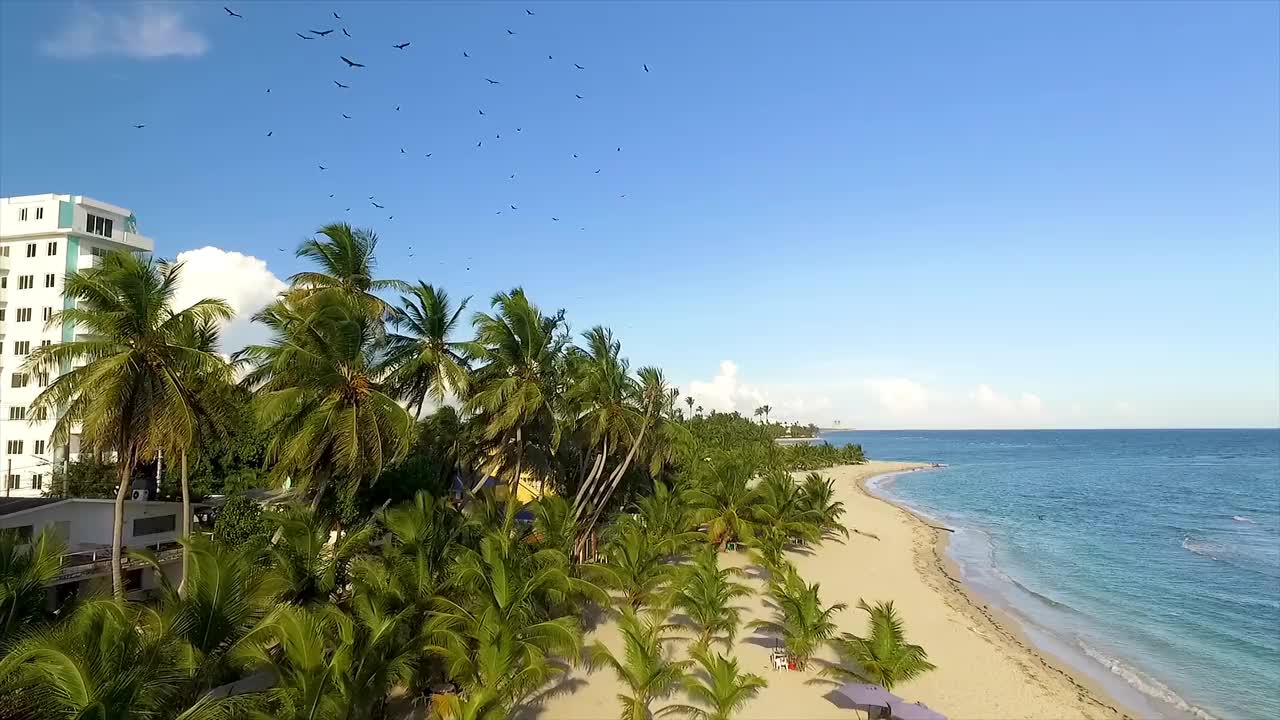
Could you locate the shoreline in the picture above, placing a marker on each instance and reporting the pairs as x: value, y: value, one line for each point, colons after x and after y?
x: 930, y: 544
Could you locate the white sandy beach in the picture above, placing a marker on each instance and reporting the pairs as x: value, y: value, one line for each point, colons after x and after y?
x: 984, y: 670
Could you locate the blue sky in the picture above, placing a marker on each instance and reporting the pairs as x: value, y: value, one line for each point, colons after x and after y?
x: 895, y: 215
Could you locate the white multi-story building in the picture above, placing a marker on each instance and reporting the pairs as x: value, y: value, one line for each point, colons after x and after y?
x: 42, y: 239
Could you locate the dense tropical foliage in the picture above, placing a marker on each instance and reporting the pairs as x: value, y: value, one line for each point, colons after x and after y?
x: 453, y: 505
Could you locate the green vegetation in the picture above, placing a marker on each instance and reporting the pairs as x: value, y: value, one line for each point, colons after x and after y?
x: 883, y: 656
x: 415, y: 555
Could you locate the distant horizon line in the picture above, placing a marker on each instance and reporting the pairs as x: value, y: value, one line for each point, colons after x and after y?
x: 1049, y: 429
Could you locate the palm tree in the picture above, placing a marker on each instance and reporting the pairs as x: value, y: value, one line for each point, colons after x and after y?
x: 706, y: 594
x: 802, y: 622
x: 515, y: 392
x: 27, y: 566
x: 766, y: 409
x: 699, y: 411
x: 600, y: 395
x: 494, y: 629
x: 296, y: 646
x: 884, y: 656
x: 329, y: 414
x: 667, y: 517
x: 779, y: 517
x: 759, y: 412
x: 424, y: 361
x: 310, y: 567
x: 643, y: 666
x: 819, y: 498
x: 635, y: 565
x: 721, y: 686
x: 689, y: 401
x: 124, y: 377
x: 346, y: 259
x: 383, y: 644
x: 723, y: 499
x: 652, y: 393
x: 108, y: 659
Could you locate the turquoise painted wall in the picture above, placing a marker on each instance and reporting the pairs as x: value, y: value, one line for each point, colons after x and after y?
x: 66, y: 214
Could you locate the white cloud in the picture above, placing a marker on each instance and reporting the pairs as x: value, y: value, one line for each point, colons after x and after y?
x: 899, y: 397
x: 1001, y: 406
x: 244, y: 281
x: 142, y: 30
x: 725, y: 393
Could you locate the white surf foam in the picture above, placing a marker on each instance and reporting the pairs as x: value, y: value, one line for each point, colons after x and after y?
x: 1144, y: 683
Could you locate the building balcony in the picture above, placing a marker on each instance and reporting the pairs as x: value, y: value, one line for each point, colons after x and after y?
x: 5, y: 263
x: 87, y: 261
x: 96, y: 560
x: 4, y: 296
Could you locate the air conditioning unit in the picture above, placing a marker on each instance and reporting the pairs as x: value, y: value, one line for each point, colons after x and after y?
x: 141, y: 494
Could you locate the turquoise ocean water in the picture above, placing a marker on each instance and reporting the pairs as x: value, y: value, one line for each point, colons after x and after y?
x: 1147, y: 559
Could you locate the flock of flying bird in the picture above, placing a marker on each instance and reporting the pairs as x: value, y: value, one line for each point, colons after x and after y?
x: 353, y: 64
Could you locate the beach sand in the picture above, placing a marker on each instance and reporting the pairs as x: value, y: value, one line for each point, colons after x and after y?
x: 986, y: 668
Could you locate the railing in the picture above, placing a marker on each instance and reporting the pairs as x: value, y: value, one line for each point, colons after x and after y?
x: 97, y: 559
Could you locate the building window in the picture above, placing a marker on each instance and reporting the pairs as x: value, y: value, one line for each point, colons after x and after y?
x: 39, y: 213
x: 153, y: 525
x: 23, y: 533
x: 4, y: 280
x: 37, y: 447
x: 26, y: 282
x: 1, y: 314
x: 53, y: 248
x: 22, y: 347
x: 31, y: 249
x: 100, y: 252
x: 22, y: 215
x: 13, y: 447
x: 43, y: 380
x: 18, y: 380
x: 24, y: 314
x: 50, y: 279
x: 97, y: 225
x: 46, y: 343
x: 46, y: 315
x: 17, y: 412
x: 37, y: 481
x: 41, y: 414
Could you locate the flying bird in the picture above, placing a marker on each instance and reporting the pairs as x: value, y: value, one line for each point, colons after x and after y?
x: 517, y: 129
x: 346, y: 116
x: 497, y: 136
x: 646, y: 68
x: 336, y: 16
x: 492, y: 82
x: 347, y: 210
x: 232, y: 13
x: 350, y: 63
x: 344, y: 32
x: 321, y: 33
x: 138, y: 127
x: 397, y: 108
x: 579, y: 66
x: 269, y: 133
x: 391, y: 217
x: 548, y: 57
x: 577, y: 96
x: 575, y: 154
x: 556, y: 219
x: 344, y: 87
x: 597, y: 172
x: 513, y: 177
x: 304, y: 37
x: 481, y: 112
x: 401, y: 151
x: 401, y: 46
x: 464, y: 54
x: 618, y: 150
x: 509, y: 32
x: 513, y: 207
x: 527, y: 11
x: 428, y: 154
x: 322, y: 167
x: 479, y: 143
x: 380, y: 207
x: 280, y: 249
x: 268, y: 89
x: 330, y: 194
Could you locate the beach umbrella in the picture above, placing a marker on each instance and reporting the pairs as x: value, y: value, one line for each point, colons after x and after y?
x: 868, y: 694
x: 913, y: 711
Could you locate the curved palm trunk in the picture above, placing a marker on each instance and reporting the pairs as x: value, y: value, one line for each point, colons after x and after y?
x: 615, y: 478
x: 587, y: 487
x: 125, y: 472
x: 186, y: 526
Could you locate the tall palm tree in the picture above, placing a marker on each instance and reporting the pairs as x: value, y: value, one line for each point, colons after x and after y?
x: 642, y: 666
x: 706, y: 595
x: 689, y: 401
x: 802, y: 622
x: 124, y: 376
x: 425, y: 361
x: 347, y: 262
x: 516, y: 391
x: 27, y: 566
x: 600, y: 395
x: 819, y: 498
x: 321, y: 394
x: 699, y: 411
x: 759, y: 411
x: 766, y: 409
x: 720, y: 685
x: 883, y: 656
x: 780, y: 515
x: 652, y: 393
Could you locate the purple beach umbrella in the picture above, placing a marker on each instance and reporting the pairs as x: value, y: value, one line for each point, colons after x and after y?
x: 913, y: 711
x: 867, y: 694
